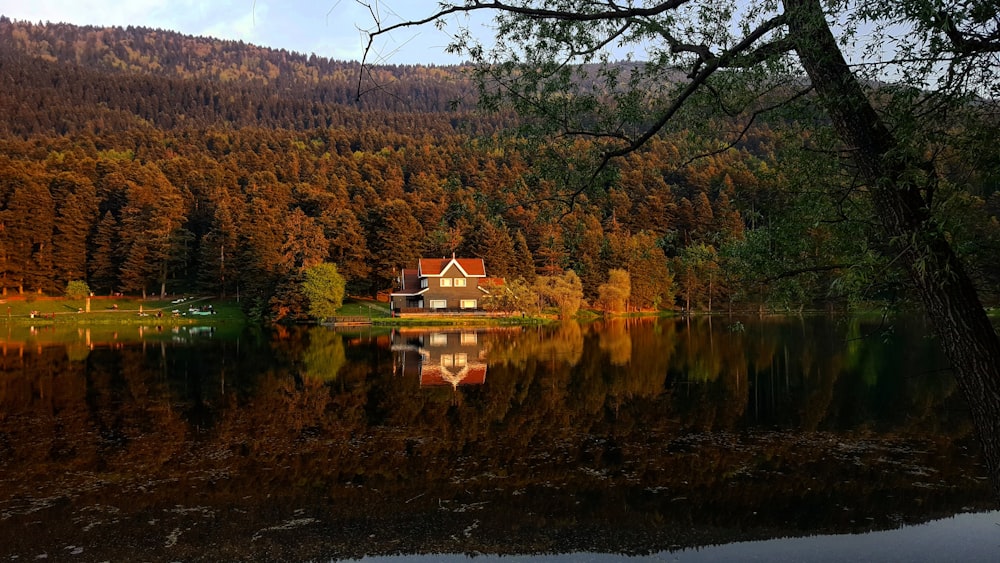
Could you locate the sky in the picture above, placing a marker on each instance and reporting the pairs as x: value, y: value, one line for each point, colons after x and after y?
x: 328, y: 28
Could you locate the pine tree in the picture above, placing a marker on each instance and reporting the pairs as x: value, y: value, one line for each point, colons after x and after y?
x: 26, y: 227
x: 151, y: 220
x: 258, y: 255
x: 76, y: 204
x: 728, y: 222
x: 104, y: 259
x: 347, y: 246
x: 551, y: 253
x: 704, y: 218
x: 304, y: 245
x: 395, y: 238
x: 492, y: 243
x: 524, y: 262
x: 217, y: 251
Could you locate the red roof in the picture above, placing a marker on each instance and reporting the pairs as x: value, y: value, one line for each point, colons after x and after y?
x: 436, y: 376
x: 437, y: 266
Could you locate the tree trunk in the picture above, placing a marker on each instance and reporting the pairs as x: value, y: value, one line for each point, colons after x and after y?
x: 895, y: 179
x: 710, y: 280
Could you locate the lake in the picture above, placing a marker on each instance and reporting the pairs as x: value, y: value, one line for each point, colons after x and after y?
x: 725, y: 438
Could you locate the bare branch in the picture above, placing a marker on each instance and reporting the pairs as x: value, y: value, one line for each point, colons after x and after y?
x: 700, y: 79
x: 740, y: 55
x: 612, y: 13
x: 746, y: 127
x: 805, y: 270
x: 967, y: 43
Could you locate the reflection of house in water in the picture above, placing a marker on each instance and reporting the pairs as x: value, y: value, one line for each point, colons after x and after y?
x: 440, y: 358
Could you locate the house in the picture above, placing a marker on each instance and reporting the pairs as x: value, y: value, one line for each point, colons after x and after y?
x: 442, y: 284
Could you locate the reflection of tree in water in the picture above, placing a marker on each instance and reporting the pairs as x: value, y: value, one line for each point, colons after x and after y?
x: 550, y: 431
x: 562, y: 344
x: 616, y: 341
x: 624, y: 359
x: 654, y: 344
x: 709, y: 372
x: 819, y: 378
x: 325, y: 355
x: 698, y: 358
x: 77, y: 352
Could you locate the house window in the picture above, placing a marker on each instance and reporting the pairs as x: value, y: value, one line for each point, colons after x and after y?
x: 423, y: 283
x: 447, y: 360
x: 438, y: 304
x: 461, y: 360
x: 459, y: 282
x: 439, y: 339
x: 445, y: 282
x: 468, y: 304
x: 469, y: 338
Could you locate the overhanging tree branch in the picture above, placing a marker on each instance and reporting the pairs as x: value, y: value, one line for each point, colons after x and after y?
x: 967, y: 42
x: 712, y: 65
x: 614, y: 12
x: 805, y: 270
x: 898, y: 179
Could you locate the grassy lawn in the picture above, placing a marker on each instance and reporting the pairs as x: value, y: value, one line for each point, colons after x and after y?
x: 380, y: 315
x: 113, y: 313
x: 42, y: 311
x: 356, y: 307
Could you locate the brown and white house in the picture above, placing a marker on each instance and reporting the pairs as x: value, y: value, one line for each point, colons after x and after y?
x: 442, y: 284
x: 440, y: 358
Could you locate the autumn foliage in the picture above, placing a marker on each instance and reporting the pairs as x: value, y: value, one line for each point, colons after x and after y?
x: 143, y: 161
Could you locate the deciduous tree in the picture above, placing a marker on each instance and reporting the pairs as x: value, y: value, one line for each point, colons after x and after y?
x: 511, y: 296
x: 615, y: 293
x: 564, y: 291
x: 323, y: 286
x: 77, y: 289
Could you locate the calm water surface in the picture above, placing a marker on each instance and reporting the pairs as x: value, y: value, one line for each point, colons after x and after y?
x: 716, y: 439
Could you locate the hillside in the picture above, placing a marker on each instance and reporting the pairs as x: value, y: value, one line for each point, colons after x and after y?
x: 142, y: 160
x: 67, y: 79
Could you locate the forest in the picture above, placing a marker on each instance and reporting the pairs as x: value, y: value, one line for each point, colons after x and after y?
x: 144, y: 161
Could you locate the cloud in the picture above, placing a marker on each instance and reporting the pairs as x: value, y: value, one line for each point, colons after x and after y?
x: 91, y: 12
x: 328, y: 28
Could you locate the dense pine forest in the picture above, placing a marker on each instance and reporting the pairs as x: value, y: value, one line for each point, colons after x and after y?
x: 145, y: 161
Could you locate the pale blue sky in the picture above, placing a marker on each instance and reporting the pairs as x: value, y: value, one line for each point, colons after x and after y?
x: 328, y: 28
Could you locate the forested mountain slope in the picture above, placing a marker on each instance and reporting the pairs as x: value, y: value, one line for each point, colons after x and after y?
x: 143, y: 160
x: 68, y: 79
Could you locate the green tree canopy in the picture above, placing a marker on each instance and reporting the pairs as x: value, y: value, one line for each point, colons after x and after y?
x: 77, y: 289
x: 511, y: 296
x: 323, y: 286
